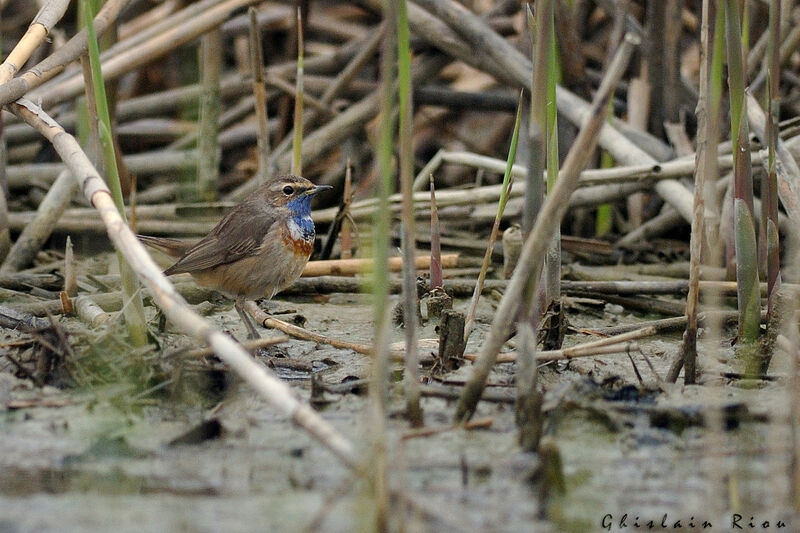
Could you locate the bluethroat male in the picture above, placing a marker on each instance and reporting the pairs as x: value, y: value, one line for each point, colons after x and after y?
x: 256, y: 250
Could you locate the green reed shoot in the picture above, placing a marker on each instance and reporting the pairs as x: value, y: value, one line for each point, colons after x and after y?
x: 744, y: 223
x: 769, y: 198
x: 82, y: 127
x: 604, y: 217
x: 553, y: 271
x: 501, y: 207
x: 133, y: 310
x: 716, y: 83
x: 406, y: 133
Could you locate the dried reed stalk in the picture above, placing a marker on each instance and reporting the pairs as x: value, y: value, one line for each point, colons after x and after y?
x: 532, y: 256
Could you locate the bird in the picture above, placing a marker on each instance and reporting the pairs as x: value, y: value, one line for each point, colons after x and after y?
x: 258, y: 249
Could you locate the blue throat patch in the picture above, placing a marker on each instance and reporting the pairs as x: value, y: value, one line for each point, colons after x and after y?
x: 300, y: 209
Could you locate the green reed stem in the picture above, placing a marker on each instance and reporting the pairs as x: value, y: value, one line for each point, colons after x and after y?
x: 501, y: 206
x: 553, y: 266
x: 603, y: 218
x: 133, y: 310
x: 411, y: 380
x: 744, y: 224
x: 769, y: 206
x: 376, y: 515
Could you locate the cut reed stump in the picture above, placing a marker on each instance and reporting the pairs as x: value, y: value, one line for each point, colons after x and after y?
x: 451, y: 341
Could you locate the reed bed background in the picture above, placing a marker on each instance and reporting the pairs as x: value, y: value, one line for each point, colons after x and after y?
x: 577, y: 222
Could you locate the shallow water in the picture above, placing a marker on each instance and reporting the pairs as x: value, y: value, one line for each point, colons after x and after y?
x: 694, y: 454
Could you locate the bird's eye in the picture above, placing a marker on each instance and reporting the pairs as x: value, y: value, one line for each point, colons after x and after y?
x: 288, y: 190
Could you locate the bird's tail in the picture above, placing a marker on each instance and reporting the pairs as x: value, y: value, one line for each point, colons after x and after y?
x: 171, y: 247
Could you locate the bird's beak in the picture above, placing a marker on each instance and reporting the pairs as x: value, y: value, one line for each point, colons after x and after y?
x: 317, y: 189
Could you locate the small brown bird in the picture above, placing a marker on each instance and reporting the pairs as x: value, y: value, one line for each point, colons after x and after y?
x: 256, y: 250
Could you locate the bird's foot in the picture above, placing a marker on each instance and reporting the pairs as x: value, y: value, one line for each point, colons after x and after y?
x: 252, y: 332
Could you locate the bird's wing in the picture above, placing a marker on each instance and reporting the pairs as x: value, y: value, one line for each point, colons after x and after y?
x: 237, y: 235
x: 171, y: 247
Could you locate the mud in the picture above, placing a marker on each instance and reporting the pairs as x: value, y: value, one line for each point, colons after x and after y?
x: 85, y: 460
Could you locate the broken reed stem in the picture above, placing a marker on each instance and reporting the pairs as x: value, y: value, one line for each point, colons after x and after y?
x: 297, y: 142
x: 146, y: 163
x: 689, y: 345
x: 298, y: 332
x: 436, y: 245
x: 260, y: 93
x: 133, y: 310
x: 211, y: 51
x: 70, y: 276
x: 406, y: 156
x: 175, y: 308
x: 505, y: 193
x: 38, y: 231
x: 482, y: 423
x: 529, y: 400
x: 47, y: 17
x: 531, y: 258
x: 89, y: 312
x: 345, y: 233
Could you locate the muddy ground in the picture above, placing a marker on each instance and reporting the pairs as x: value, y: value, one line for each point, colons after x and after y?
x: 208, y: 455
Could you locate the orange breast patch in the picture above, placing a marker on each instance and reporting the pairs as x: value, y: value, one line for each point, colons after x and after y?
x: 300, y: 247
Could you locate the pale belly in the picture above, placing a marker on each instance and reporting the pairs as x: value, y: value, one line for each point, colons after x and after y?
x: 258, y: 276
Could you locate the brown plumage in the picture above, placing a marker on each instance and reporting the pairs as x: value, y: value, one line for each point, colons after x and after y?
x: 258, y: 249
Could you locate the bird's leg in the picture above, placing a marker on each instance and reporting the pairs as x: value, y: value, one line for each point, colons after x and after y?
x: 252, y: 332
